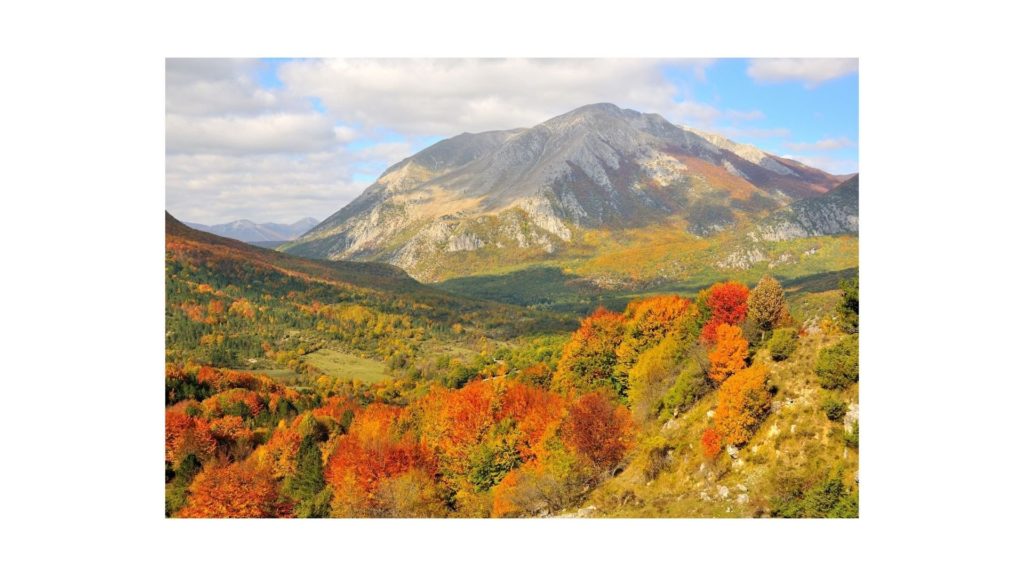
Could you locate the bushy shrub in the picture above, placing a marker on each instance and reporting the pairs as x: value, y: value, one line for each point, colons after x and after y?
x: 651, y: 377
x: 828, y: 498
x: 852, y: 438
x: 834, y: 408
x: 838, y: 365
x: 653, y: 454
x: 690, y: 386
x: 782, y: 343
x: 490, y: 461
x: 849, y: 308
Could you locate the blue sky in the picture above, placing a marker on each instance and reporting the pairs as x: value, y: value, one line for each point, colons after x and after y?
x: 281, y: 139
x: 798, y: 113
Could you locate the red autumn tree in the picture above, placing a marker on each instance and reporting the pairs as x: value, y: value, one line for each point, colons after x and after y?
x: 588, y: 359
x: 711, y: 442
x: 726, y: 303
x: 730, y: 353
x: 240, y: 490
x: 599, y: 429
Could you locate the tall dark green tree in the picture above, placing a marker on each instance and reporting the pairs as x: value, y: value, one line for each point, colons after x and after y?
x: 849, y: 308
x: 309, y: 471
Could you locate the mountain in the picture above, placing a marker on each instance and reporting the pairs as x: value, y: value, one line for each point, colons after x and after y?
x: 834, y: 213
x: 477, y: 202
x: 249, y: 231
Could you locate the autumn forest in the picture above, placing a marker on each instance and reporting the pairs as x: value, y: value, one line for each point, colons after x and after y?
x: 453, y: 407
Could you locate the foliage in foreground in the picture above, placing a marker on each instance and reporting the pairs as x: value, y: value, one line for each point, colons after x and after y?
x: 506, y: 441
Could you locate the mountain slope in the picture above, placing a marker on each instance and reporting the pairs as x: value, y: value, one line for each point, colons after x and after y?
x: 529, y: 195
x: 834, y: 213
x: 236, y: 305
x: 811, y: 240
x: 249, y: 231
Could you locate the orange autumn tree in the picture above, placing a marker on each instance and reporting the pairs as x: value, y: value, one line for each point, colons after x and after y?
x: 336, y: 413
x: 376, y: 448
x: 743, y: 402
x: 232, y: 433
x: 238, y: 401
x: 504, y: 502
x: 600, y: 429
x: 239, y: 490
x: 730, y: 353
x: 454, y: 421
x: 725, y: 303
x: 588, y: 359
x: 536, y: 414
x: 648, y: 322
x: 185, y: 435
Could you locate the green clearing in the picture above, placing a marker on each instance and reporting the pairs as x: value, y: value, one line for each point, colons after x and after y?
x: 275, y: 373
x: 344, y: 365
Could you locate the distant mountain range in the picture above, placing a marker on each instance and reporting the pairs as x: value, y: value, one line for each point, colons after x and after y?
x: 477, y: 203
x: 375, y: 286
x: 266, y: 234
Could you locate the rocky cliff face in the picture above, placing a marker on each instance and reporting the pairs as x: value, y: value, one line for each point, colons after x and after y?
x: 532, y: 192
x: 833, y: 213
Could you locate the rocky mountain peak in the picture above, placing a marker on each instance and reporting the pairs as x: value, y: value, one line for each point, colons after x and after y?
x: 536, y: 189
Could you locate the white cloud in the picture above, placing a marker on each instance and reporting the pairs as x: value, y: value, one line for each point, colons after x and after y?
x: 809, y: 71
x: 827, y: 163
x: 824, y: 144
x: 445, y: 97
x: 212, y: 188
x: 206, y: 86
x: 345, y: 134
x: 266, y: 133
x: 386, y: 152
x: 695, y: 113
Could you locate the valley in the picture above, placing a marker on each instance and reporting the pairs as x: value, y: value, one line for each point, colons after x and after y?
x: 605, y: 315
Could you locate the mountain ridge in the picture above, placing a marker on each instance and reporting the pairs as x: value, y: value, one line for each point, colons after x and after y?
x: 248, y: 231
x: 529, y: 194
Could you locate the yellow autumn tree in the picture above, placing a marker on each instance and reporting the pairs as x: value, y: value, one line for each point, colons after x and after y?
x: 743, y: 402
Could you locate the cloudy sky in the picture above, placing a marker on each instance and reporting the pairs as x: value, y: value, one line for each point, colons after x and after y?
x: 276, y: 140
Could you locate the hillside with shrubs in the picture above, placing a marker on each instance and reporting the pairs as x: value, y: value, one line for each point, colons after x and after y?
x: 725, y: 404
